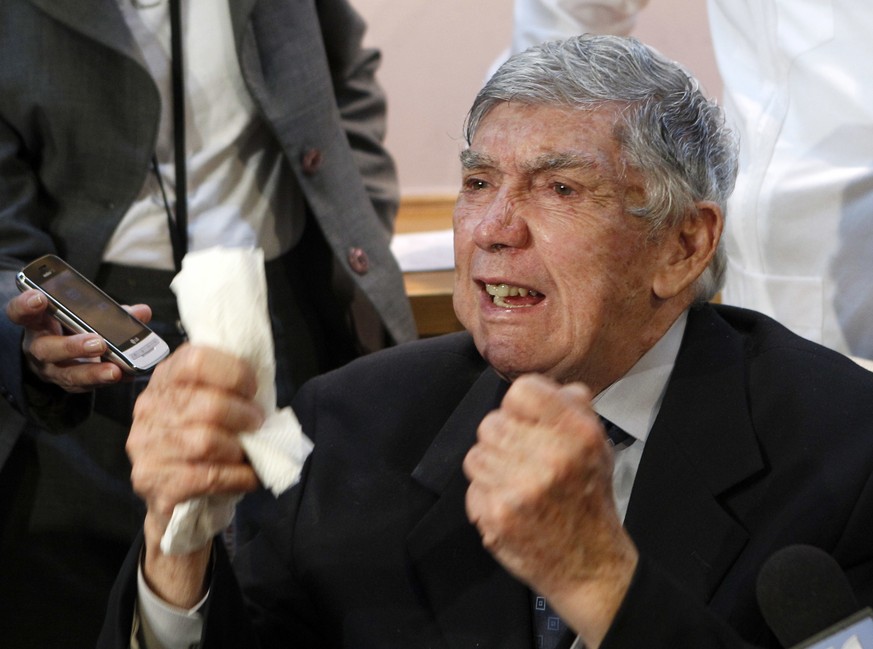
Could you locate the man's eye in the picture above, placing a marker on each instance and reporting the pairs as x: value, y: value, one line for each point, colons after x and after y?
x: 562, y: 189
x: 475, y: 183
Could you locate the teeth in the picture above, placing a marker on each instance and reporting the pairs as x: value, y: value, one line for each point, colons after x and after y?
x: 500, y: 291
x: 497, y: 290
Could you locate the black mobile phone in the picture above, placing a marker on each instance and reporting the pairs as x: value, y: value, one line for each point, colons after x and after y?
x: 83, y: 308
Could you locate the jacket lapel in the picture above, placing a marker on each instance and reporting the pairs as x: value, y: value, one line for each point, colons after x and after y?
x: 476, y: 603
x: 240, y: 10
x: 701, y: 446
x: 100, y: 20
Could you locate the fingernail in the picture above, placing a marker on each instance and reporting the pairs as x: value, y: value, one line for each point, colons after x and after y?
x: 94, y: 345
x: 35, y: 300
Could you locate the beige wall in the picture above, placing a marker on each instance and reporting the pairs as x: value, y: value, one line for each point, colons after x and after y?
x: 436, y: 53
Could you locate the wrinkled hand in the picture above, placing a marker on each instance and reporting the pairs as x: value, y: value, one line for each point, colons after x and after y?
x: 71, y: 361
x: 183, y: 444
x: 541, y: 497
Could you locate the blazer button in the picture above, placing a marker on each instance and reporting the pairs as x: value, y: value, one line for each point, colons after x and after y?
x: 311, y: 161
x: 359, y: 261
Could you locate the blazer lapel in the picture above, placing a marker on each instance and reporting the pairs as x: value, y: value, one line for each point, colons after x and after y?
x: 702, y: 445
x: 100, y: 20
x: 240, y: 10
x: 475, y: 602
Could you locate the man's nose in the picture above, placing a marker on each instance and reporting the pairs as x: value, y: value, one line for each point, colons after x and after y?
x: 503, y: 224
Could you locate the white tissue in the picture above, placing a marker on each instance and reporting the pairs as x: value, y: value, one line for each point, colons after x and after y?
x: 222, y: 297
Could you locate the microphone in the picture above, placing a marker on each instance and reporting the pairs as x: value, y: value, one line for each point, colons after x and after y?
x: 807, y: 601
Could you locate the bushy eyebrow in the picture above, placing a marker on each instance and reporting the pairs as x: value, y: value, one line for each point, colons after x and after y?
x: 476, y: 160
x: 557, y: 161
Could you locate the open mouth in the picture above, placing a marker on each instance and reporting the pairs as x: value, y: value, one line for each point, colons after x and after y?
x: 508, y: 296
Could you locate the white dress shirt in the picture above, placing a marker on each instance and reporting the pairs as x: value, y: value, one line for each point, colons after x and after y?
x: 632, y: 403
x: 241, y: 190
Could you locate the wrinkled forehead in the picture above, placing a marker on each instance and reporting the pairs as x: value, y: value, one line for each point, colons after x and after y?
x: 533, y: 138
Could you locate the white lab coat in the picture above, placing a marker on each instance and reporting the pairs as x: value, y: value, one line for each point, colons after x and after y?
x: 798, y: 89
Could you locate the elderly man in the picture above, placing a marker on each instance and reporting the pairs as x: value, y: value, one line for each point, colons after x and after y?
x: 459, y: 486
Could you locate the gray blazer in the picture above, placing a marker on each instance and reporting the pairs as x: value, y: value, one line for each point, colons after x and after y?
x: 79, y: 117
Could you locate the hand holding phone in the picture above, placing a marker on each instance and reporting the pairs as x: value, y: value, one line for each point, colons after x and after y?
x: 83, y: 308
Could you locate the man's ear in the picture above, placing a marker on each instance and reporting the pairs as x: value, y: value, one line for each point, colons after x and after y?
x: 687, y: 249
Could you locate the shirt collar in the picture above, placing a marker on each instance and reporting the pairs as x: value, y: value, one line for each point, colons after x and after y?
x: 632, y: 403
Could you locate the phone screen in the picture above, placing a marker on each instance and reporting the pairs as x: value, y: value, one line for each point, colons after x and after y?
x: 87, y: 302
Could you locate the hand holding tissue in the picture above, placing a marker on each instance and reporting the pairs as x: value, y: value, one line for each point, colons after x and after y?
x: 222, y: 298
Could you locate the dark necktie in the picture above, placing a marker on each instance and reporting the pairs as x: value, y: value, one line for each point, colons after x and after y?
x: 550, y: 632
x: 616, y: 437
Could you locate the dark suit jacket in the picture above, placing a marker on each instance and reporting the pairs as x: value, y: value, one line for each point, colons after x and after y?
x: 762, y: 440
x: 78, y: 123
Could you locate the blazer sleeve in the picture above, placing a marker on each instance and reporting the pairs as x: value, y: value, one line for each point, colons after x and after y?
x: 656, y: 612
x: 226, y: 623
x: 256, y: 602
x: 361, y: 103
x: 23, y: 239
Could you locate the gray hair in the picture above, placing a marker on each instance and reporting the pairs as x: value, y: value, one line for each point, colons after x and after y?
x: 668, y: 129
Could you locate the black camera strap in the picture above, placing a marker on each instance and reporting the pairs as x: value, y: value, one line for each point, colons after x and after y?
x: 177, y: 219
